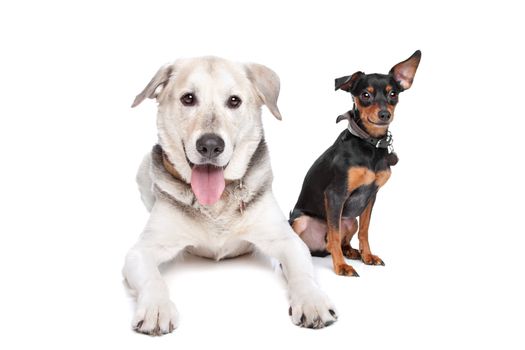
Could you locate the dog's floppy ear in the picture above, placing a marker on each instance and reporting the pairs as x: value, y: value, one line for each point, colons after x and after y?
x: 155, y: 85
x: 347, y: 82
x: 405, y: 71
x: 267, y: 85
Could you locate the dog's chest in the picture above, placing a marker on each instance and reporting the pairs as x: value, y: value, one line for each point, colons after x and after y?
x: 227, y: 249
x: 363, y: 184
x: 220, y: 230
x: 222, y: 216
x: 220, y: 238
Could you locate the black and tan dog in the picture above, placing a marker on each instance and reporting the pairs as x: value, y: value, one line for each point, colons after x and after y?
x: 343, y: 182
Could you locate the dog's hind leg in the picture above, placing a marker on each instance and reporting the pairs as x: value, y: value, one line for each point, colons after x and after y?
x: 349, y: 229
x: 313, y: 232
x: 335, y: 197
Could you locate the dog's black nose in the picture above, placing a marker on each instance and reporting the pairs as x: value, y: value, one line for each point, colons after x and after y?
x: 384, y: 116
x: 210, y: 145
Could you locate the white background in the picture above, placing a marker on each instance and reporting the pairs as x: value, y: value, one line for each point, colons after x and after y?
x: 449, y: 223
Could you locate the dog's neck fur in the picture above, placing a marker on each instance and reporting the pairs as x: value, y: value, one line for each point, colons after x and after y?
x: 170, y: 168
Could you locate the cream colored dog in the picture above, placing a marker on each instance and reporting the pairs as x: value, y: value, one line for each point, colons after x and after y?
x: 208, y: 184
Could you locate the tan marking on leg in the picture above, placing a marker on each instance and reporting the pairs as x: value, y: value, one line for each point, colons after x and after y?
x: 349, y: 228
x: 364, y: 246
x: 333, y: 245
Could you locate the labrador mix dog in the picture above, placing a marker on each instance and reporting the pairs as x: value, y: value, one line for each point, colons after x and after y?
x: 207, y: 185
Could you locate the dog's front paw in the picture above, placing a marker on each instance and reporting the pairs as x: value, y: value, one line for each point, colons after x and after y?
x: 155, y: 316
x: 370, y: 259
x: 345, y: 270
x: 312, y: 309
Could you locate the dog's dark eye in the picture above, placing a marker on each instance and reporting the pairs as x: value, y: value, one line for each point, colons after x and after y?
x: 188, y: 99
x: 392, y: 94
x: 233, y: 102
x: 365, y: 96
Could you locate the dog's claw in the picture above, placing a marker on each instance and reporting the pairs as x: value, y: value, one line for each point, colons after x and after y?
x: 290, y: 311
x: 138, y: 325
x: 332, y: 312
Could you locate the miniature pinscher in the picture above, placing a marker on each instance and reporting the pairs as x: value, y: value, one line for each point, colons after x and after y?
x: 343, y: 182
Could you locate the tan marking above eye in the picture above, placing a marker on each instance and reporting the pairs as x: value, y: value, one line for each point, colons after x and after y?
x: 371, y: 90
x: 388, y: 88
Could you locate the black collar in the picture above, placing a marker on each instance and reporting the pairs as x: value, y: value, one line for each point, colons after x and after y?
x: 356, y: 130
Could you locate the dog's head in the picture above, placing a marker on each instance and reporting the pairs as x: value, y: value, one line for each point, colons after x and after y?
x: 209, y: 118
x: 376, y: 95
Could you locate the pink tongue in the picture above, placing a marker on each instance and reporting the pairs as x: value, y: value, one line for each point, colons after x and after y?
x: 207, y: 182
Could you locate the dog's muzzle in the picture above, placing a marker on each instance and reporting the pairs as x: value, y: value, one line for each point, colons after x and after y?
x: 207, y: 179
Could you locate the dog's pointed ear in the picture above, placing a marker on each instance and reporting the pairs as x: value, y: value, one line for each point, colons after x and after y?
x: 347, y: 83
x: 267, y: 85
x: 156, y: 84
x: 405, y: 71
